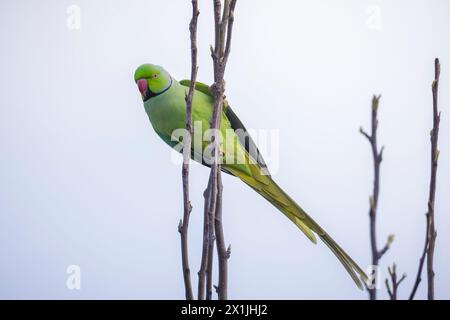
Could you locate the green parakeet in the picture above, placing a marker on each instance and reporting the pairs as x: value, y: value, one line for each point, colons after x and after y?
x: 165, y: 105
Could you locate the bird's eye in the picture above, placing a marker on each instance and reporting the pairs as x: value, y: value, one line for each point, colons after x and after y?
x: 155, y: 75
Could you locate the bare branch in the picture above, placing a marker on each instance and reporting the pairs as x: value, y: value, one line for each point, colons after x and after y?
x: 223, y: 23
x: 421, y: 262
x: 209, y: 275
x: 388, y: 288
x: 229, y: 32
x: 204, y: 261
x: 184, y: 223
x: 431, y: 234
x: 365, y: 134
x: 432, y: 194
x: 223, y: 252
x: 377, y: 158
x: 395, y: 283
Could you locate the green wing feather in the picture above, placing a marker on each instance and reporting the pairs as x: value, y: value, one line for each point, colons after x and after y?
x: 236, y: 124
x: 204, y: 88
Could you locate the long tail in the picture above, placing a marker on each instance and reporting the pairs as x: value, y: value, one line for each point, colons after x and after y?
x: 265, y: 186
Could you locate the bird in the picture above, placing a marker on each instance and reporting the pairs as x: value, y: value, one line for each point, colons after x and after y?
x: 165, y: 105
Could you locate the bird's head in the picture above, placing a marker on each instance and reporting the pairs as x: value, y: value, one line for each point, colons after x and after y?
x: 152, y: 80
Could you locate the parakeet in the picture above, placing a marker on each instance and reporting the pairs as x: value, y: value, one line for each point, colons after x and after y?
x: 165, y: 105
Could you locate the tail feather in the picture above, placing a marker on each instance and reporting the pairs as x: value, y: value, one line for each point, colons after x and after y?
x: 346, y: 261
x: 266, y: 187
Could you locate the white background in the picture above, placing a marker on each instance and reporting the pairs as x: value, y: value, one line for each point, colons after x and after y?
x: 85, y: 181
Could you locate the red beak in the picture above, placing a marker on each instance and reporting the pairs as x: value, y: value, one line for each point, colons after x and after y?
x: 142, y: 85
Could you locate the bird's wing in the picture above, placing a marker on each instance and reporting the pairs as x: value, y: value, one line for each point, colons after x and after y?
x: 199, y: 86
x: 236, y: 124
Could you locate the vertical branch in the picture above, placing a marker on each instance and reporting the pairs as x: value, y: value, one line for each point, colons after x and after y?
x: 210, y: 209
x: 432, y: 195
x: 210, y: 242
x: 421, y: 263
x: 223, y: 252
x: 184, y: 223
x: 223, y: 24
x: 377, y: 158
x: 430, y: 230
x: 204, y: 261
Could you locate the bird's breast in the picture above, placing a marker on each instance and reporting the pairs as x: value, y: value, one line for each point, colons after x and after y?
x: 166, y: 112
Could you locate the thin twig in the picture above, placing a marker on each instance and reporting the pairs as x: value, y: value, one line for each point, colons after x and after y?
x: 184, y: 223
x: 395, y: 283
x: 432, y: 195
x: 209, y: 264
x: 377, y: 158
x: 204, y: 261
x: 223, y: 252
x: 421, y: 262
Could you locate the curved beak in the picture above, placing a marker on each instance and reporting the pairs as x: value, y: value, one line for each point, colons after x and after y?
x: 142, y: 86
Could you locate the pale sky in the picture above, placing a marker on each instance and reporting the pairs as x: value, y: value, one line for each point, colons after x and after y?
x: 85, y: 181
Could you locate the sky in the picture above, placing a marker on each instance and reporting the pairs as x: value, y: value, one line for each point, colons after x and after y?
x: 86, y: 186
